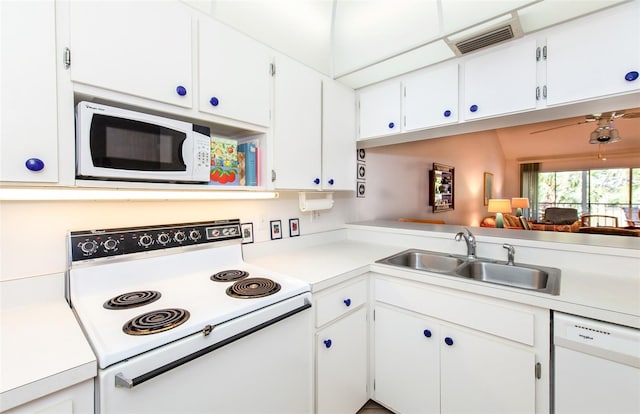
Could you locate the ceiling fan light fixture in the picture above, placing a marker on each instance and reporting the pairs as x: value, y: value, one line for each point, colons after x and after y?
x: 604, y: 134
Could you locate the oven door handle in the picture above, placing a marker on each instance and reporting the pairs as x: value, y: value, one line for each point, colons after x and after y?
x: 123, y: 382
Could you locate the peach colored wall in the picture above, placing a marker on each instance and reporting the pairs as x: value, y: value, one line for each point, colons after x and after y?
x: 397, y: 178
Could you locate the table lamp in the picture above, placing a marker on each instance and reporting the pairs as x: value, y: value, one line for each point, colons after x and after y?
x: 519, y: 203
x: 499, y: 206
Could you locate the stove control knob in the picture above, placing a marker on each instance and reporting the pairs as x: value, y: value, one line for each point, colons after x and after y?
x: 145, y: 240
x: 163, y: 238
x: 233, y: 230
x: 111, y: 245
x: 194, y: 235
x: 88, y: 247
x: 179, y: 236
x: 225, y: 232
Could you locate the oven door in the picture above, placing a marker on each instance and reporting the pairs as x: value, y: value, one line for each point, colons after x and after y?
x: 258, y: 363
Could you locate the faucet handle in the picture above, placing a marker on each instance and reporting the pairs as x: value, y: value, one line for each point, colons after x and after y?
x: 511, y: 252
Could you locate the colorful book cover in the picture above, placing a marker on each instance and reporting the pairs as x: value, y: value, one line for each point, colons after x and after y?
x: 224, y: 162
x: 249, y: 151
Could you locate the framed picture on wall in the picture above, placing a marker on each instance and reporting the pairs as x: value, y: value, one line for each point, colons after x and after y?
x: 488, y: 188
x: 247, y: 232
x: 276, y: 229
x: 441, y: 187
x: 294, y: 227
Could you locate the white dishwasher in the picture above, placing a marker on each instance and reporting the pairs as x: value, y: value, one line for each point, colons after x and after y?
x: 596, y: 366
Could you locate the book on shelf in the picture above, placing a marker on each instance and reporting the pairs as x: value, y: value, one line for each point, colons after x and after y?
x: 248, y: 154
x: 224, y: 162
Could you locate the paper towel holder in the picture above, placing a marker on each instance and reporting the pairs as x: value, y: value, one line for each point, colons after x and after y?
x: 315, y: 201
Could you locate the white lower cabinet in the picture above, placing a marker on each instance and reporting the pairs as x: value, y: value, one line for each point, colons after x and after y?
x: 342, y: 349
x: 77, y: 399
x: 468, y: 355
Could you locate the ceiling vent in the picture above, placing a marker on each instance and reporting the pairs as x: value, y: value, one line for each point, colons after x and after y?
x: 481, y: 37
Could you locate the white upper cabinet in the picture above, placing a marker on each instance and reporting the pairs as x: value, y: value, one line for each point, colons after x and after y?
x: 501, y: 81
x: 235, y: 74
x: 297, y: 140
x: 595, y: 56
x: 138, y: 48
x: 338, y: 137
x: 380, y: 112
x: 28, y: 137
x: 431, y: 97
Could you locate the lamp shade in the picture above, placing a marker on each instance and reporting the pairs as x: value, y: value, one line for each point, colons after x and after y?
x: 518, y: 202
x: 499, y: 205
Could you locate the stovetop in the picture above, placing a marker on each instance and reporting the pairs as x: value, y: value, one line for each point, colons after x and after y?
x: 181, y: 278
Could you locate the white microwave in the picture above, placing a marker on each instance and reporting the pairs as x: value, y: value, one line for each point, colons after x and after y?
x: 118, y: 144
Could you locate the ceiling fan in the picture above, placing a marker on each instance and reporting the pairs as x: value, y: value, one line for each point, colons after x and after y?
x: 605, y: 132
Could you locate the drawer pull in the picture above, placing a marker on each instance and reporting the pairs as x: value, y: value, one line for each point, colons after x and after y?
x: 427, y: 333
x: 181, y: 90
x: 347, y: 302
x: 448, y: 341
x: 327, y: 343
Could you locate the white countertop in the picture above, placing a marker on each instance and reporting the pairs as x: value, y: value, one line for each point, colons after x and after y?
x: 42, y: 348
x: 588, y: 287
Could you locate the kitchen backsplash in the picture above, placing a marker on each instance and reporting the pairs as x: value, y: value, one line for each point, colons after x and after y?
x: 33, y: 237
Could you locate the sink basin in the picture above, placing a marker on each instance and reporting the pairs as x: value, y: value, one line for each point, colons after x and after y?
x: 520, y: 276
x: 424, y: 260
x: 535, y: 278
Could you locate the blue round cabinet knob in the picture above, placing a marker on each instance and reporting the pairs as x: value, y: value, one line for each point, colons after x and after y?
x: 347, y: 302
x: 427, y: 333
x: 327, y: 343
x: 448, y: 341
x: 447, y: 113
x: 473, y: 108
x: 330, y: 181
x: 391, y: 125
x: 316, y: 181
x: 631, y: 76
x: 181, y: 90
x: 214, y: 101
x: 34, y: 164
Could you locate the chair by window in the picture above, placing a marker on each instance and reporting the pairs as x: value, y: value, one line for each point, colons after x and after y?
x: 597, y: 220
x: 560, y: 215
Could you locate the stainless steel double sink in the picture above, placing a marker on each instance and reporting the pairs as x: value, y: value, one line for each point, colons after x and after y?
x: 535, y: 278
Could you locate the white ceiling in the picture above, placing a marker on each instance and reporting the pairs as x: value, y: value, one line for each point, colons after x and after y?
x: 364, y: 41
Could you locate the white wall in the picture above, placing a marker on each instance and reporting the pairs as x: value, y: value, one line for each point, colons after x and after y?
x: 33, y: 234
x: 397, y: 178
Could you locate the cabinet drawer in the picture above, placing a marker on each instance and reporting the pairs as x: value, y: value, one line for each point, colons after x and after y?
x: 492, y: 316
x: 338, y: 302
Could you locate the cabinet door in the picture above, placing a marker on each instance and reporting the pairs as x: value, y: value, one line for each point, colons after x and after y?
x: 138, y: 48
x: 482, y: 374
x: 379, y: 109
x: 341, y: 374
x: 234, y: 74
x: 338, y: 137
x: 297, y: 126
x: 583, y: 63
x: 28, y: 136
x: 406, y: 361
x: 431, y: 98
x: 501, y: 82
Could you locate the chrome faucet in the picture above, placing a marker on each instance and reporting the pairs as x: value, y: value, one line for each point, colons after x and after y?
x: 511, y: 252
x: 470, y: 239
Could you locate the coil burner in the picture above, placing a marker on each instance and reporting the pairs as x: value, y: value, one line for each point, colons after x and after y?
x: 132, y: 299
x: 156, y: 321
x: 254, y: 287
x: 229, y: 275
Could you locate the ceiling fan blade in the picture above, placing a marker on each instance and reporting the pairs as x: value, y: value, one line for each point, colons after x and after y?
x: 631, y: 115
x: 558, y: 127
